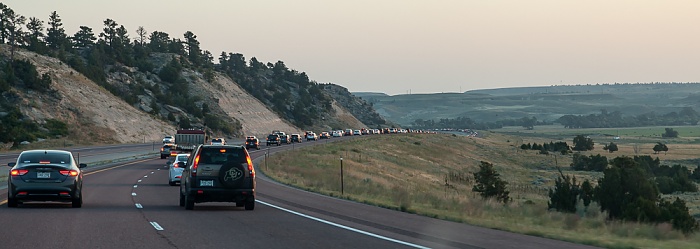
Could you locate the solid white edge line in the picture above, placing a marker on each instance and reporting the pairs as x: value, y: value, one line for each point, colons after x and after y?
x: 156, y: 226
x: 343, y: 226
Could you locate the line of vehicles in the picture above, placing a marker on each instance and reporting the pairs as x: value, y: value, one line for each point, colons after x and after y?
x: 206, y: 170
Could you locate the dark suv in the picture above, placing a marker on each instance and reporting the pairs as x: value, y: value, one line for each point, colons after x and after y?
x: 273, y: 139
x: 218, y: 173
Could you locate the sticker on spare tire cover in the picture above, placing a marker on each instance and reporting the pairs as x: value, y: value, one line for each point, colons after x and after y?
x: 233, y: 174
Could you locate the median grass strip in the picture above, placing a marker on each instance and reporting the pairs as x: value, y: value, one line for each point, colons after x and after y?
x: 431, y: 175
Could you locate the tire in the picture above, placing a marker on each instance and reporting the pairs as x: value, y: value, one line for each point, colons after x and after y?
x: 182, y: 199
x: 189, y: 203
x: 11, y: 202
x: 231, y: 174
x: 78, y: 202
x: 250, y: 205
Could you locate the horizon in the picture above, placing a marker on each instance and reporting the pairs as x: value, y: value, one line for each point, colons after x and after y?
x: 398, y: 47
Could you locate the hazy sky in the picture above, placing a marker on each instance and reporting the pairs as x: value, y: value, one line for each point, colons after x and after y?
x: 424, y: 46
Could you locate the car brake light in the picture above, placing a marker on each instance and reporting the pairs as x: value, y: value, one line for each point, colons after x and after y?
x: 18, y: 172
x: 68, y: 172
x: 250, y: 165
x: 194, y: 166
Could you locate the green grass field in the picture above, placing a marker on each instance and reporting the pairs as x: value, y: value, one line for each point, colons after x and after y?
x: 431, y: 175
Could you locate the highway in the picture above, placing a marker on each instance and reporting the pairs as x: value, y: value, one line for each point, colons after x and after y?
x: 129, y: 204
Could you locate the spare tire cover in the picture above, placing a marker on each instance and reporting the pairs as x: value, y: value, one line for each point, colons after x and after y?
x: 231, y: 174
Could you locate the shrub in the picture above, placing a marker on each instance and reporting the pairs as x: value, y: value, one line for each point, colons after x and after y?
x: 489, y: 183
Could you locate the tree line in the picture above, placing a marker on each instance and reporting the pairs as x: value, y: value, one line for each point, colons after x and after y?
x: 97, y: 53
x: 686, y: 116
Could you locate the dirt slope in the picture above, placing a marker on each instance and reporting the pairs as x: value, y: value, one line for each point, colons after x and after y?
x: 91, y: 112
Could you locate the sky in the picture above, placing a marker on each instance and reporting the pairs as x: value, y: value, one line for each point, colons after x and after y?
x: 421, y: 46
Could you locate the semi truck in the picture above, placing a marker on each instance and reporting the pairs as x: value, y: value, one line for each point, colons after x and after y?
x: 188, y: 140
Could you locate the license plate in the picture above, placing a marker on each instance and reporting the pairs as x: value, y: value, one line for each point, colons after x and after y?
x: 43, y: 174
x: 206, y: 183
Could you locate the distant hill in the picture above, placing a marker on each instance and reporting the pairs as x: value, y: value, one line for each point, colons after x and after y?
x: 544, y: 103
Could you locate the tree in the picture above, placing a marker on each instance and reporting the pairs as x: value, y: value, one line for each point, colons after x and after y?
x: 141, y: 33
x: 55, y: 34
x: 13, y: 26
x: 158, y: 41
x: 489, y: 183
x: 625, y: 189
x: 84, y: 37
x: 564, y: 196
x: 670, y: 133
x: 612, y: 147
x: 109, y: 32
x: 582, y: 143
x: 529, y: 123
x: 36, y: 34
x: 194, y: 52
x: 660, y: 147
x: 4, y: 11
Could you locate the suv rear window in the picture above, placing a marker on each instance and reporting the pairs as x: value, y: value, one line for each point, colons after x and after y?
x: 221, y: 155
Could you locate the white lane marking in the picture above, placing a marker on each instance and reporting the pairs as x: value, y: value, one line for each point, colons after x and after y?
x: 138, y: 205
x: 133, y: 194
x: 139, y: 180
x: 343, y: 227
x: 146, y: 176
x: 151, y: 172
x: 136, y: 186
x: 158, y: 169
x: 156, y: 226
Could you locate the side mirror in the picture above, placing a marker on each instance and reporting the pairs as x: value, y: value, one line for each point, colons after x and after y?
x: 82, y: 165
x: 11, y: 164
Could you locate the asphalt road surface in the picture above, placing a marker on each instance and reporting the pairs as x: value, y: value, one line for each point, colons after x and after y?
x: 129, y: 204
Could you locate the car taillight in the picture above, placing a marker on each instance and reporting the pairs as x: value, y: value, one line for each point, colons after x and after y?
x: 250, y: 165
x: 18, y: 172
x: 194, y: 166
x: 68, y: 172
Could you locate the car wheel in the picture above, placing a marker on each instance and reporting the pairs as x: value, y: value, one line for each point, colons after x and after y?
x: 11, y: 202
x: 250, y: 205
x: 189, y: 203
x: 182, y: 199
x: 78, y: 202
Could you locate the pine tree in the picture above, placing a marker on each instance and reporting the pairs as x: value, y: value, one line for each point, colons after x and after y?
x: 489, y: 183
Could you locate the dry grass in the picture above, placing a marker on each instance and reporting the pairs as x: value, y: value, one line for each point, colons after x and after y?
x: 431, y: 175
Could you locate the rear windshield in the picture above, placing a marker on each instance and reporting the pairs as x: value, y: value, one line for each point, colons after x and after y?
x: 272, y: 136
x: 222, y: 155
x: 44, y: 158
x: 182, y: 158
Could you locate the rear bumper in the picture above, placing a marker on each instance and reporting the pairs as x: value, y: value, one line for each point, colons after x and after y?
x: 48, y: 192
x: 221, y: 195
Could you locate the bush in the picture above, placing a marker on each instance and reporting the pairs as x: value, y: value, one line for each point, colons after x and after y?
x: 489, y: 183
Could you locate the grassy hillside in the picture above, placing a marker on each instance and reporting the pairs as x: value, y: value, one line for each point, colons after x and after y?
x: 544, y: 103
x: 431, y: 174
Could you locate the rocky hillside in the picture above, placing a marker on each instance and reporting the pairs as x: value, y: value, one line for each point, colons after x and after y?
x: 358, y: 107
x: 90, y: 112
x: 95, y: 114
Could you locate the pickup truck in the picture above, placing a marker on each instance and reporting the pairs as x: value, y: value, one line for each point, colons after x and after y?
x: 273, y: 139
